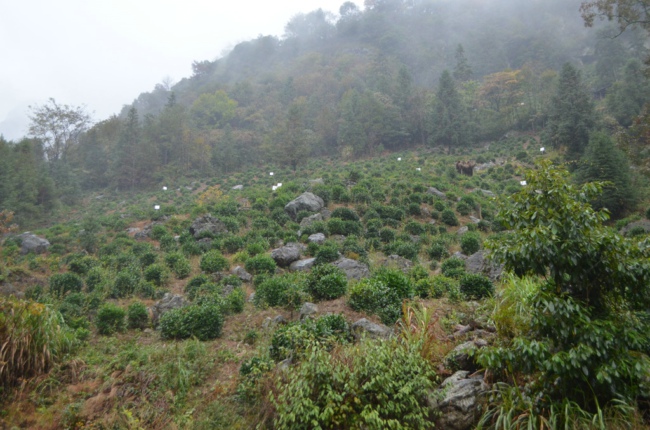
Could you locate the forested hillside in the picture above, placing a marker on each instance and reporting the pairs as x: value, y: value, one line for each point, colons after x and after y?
x: 349, y: 85
x: 419, y: 214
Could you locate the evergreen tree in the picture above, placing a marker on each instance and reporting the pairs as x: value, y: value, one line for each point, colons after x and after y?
x: 462, y: 71
x: 604, y: 162
x: 351, y: 135
x: 449, y: 118
x: 627, y: 97
x: 571, y: 115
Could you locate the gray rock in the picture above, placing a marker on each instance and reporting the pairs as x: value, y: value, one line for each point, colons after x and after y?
x: 460, y: 255
x: 326, y: 214
x: 353, y: 269
x: 207, y: 224
x: 484, y: 166
x: 286, y: 255
x: 363, y: 327
x: 461, y: 401
x: 300, y: 265
x: 459, y: 357
x: 308, y: 309
x: 305, y: 202
x: 32, y: 243
x: 464, y: 229
x: 318, y: 238
x: 238, y: 187
x: 478, y: 263
x: 401, y: 263
x: 317, y: 181
x: 436, y: 192
x: 133, y: 230
x: 166, y: 304
x: 10, y: 290
x: 242, y: 274
x: 251, y: 298
x: 474, y: 219
x: 307, y: 221
x: 488, y: 193
x: 644, y: 224
x: 279, y: 320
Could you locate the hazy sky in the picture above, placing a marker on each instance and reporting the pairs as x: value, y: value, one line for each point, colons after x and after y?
x: 104, y: 53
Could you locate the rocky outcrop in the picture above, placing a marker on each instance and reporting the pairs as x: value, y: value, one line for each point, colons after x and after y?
x: 32, y: 243
x: 308, y: 309
x: 318, y: 238
x: 300, y: 265
x: 353, y: 269
x: 242, y: 274
x: 401, y: 263
x: 166, y: 304
x: 207, y: 225
x: 287, y: 254
x: 641, y: 224
x: 304, y: 202
x: 436, y: 192
x: 309, y: 220
x: 478, y: 263
x: 363, y: 327
x: 459, y: 401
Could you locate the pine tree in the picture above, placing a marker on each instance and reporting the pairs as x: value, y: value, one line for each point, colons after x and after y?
x: 571, y: 114
x: 627, y: 97
x: 462, y: 71
x: 604, y: 162
x: 449, y: 118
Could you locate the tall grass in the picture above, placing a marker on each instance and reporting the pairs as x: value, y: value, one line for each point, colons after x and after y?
x: 32, y: 338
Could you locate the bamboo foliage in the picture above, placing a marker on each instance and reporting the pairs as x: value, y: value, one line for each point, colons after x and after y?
x: 32, y: 338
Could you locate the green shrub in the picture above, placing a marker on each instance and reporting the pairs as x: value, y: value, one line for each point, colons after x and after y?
x: 375, y: 297
x: 110, y: 319
x: 387, y: 235
x: 236, y: 300
x: 449, y: 217
x: 287, y: 290
x: 415, y: 228
x: 439, y: 205
x: 345, y: 214
x: 470, y: 243
x: 213, y: 262
x: 258, y: 247
x: 63, y: 283
x: 137, y: 316
x: 476, y: 286
x: 156, y: 274
x: 158, y: 231
x: 343, y: 227
x: 260, y: 264
x: 326, y: 253
x: 125, y: 284
x: 443, y: 286
x: 232, y: 244
x: 406, y: 249
x: 414, y: 209
x: 290, y: 340
x: 147, y: 258
x: 437, y: 251
x: 463, y: 208
x: 391, y: 383
x: 451, y: 264
x: 326, y: 282
x: 82, y: 264
x: 203, y: 321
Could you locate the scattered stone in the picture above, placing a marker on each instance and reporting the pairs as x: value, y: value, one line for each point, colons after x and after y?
x: 353, y: 269
x: 279, y: 320
x: 460, y: 255
x: 251, y: 298
x: 242, y: 274
x: 286, y: 255
x: 363, y: 327
x: 133, y: 230
x: 301, y: 265
x: 474, y: 219
x: 32, y: 243
x: 436, y: 192
x: 166, y: 304
x: 10, y: 290
x: 401, y: 263
x: 460, y: 357
x: 644, y: 224
x: 464, y: 229
x: 307, y: 309
x: 488, y: 193
x: 207, y: 224
x: 238, y: 187
x: 305, y: 202
x: 326, y: 214
x: 484, y: 166
x: 318, y: 238
x: 309, y: 220
x: 317, y: 181
x: 461, y: 404
x: 477, y: 263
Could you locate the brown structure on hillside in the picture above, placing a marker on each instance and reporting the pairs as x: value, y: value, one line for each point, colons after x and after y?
x: 465, y: 167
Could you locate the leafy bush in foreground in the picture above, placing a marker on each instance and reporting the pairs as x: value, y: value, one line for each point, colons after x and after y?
x: 63, y: 283
x: 326, y: 282
x: 203, y: 321
x: 110, y: 319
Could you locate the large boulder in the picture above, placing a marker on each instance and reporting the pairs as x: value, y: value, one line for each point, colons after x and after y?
x: 307, y: 310
x: 207, y: 224
x: 401, y: 263
x: 353, y: 269
x: 32, y: 243
x: 242, y: 274
x: 309, y: 220
x: 641, y: 224
x: 436, y: 192
x: 304, y: 202
x: 459, y: 401
x: 363, y: 327
x: 166, y: 304
x: 318, y: 238
x: 287, y: 254
x: 302, y: 265
x: 478, y: 263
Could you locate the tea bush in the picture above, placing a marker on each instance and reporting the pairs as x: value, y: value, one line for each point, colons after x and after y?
x: 137, y: 316
x: 213, y: 262
x: 287, y: 290
x: 110, y: 319
x: 326, y: 282
x: 476, y: 286
x: 449, y: 217
x: 63, y: 283
x: 260, y: 264
x: 203, y: 321
x: 125, y: 284
x: 156, y: 274
x: 470, y: 243
x: 326, y: 253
